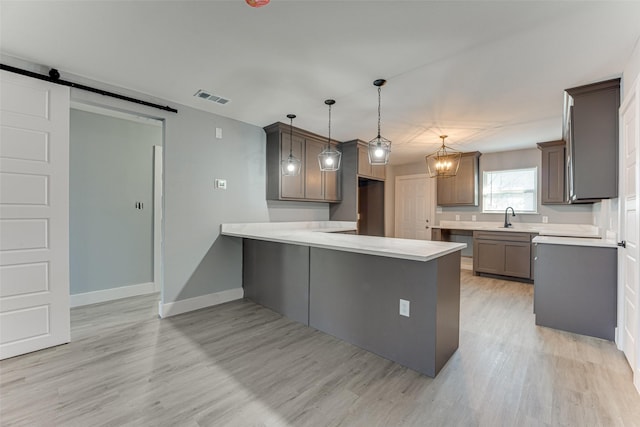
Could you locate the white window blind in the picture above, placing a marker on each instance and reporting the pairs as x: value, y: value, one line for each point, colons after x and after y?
x: 516, y: 188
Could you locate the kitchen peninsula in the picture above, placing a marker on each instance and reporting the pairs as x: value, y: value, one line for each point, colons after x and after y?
x: 398, y: 298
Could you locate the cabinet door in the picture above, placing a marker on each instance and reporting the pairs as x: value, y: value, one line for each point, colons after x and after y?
x: 462, y: 189
x: 466, y: 182
x: 292, y: 187
x: 553, y: 175
x: 488, y: 256
x: 517, y: 259
x: 314, y: 182
x: 364, y: 167
x: 446, y: 191
x: 378, y: 171
x: 594, y: 148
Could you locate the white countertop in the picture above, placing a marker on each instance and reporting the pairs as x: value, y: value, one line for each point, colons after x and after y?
x: 575, y: 241
x: 567, y: 230
x: 325, y: 234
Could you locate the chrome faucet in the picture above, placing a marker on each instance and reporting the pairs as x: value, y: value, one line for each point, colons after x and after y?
x: 507, y: 224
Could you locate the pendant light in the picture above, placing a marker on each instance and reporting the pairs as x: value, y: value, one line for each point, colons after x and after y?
x: 291, y: 165
x: 379, y: 147
x: 329, y: 158
x: 443, y: 163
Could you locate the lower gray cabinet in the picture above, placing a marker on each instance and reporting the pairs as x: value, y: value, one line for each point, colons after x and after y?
x: 575, y: 289
x: 502, y: 253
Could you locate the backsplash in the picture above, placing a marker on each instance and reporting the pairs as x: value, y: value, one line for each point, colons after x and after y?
x: 605, y: 216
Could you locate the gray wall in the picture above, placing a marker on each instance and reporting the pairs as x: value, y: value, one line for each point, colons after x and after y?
x: 110, y: 168
x: 197, y: 260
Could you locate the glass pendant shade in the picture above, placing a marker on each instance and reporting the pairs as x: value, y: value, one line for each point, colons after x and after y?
x: 329, y: 159
x: 291, y: 165
x: 379, y: 150
x: 379, y: 147
x: 444, y: 163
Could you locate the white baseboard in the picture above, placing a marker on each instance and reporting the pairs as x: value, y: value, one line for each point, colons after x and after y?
x: 190, y: 304
x: 77, y: 300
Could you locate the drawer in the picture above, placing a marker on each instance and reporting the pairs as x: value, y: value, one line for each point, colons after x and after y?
x: 505, y: 236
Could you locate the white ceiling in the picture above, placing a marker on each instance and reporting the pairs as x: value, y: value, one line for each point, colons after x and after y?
x: 488, y: 74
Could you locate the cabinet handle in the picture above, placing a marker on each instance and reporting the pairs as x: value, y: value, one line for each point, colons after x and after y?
x: 427, y: 227
x: 622, y: 244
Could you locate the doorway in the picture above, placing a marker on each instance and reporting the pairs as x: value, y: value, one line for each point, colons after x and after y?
x: 370, y: 207
x: 114, y: 233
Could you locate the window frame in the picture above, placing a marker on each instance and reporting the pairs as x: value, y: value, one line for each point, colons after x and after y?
x: 535, y: 189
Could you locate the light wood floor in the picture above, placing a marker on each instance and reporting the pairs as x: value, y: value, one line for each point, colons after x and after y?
x: 242, y: 365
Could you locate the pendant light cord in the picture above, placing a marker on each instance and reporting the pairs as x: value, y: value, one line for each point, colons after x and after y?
x: 379, y: 90
x: 291, y: 137
x: 329, y: 140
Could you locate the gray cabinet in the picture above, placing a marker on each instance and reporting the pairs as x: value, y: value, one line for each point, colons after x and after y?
x: 502, y: 253
x: 575, y: 289
x: 552, y: 191
x: 591, y: 132
x: 365, y: 169
x: 462, y: 189
x: 312, y: 184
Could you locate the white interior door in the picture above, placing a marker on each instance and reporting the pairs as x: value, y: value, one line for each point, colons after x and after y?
x: 34, y: 215
x: 628, y: 295
x: 413, y: 207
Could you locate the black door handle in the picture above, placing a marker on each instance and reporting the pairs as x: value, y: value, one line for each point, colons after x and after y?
x: 622, y: 244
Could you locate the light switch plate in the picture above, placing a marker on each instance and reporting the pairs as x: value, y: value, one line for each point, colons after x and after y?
x: 404, y: 307
x: 545, y: 219
x: 221, y: 184
x: 218, y: 133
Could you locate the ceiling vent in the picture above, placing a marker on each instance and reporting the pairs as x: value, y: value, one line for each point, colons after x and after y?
x: 213, y: 98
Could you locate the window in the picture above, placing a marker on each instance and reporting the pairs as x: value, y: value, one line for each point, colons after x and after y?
x: 516, y: 188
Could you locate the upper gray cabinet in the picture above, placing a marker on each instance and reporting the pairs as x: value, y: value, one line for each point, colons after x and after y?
x: 366, y: 169
x: 462, y: 189
x: 312, y: 184
x: 552, y: 191
x: 591, y: 132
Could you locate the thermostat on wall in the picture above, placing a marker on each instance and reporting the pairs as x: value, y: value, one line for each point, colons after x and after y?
x: 221, y: 184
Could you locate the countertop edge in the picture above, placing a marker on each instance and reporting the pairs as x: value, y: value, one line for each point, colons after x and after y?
x: 575, y: 241
x: 450, y: 247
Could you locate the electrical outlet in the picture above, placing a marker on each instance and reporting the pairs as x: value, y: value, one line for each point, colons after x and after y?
x: 218, y: 133
x: 221, y: 184
x: 404, y: 307
x: 545, y: 219
x: 473, y: 217
x: 457, y: 217
x: 439, y: 210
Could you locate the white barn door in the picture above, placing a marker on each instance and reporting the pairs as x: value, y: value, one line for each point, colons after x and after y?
x: 34, y: 215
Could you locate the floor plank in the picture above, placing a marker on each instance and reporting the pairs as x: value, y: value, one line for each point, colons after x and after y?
x: 240, y: 364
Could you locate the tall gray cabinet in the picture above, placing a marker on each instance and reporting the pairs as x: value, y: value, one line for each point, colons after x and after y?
x: 591, y: 132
